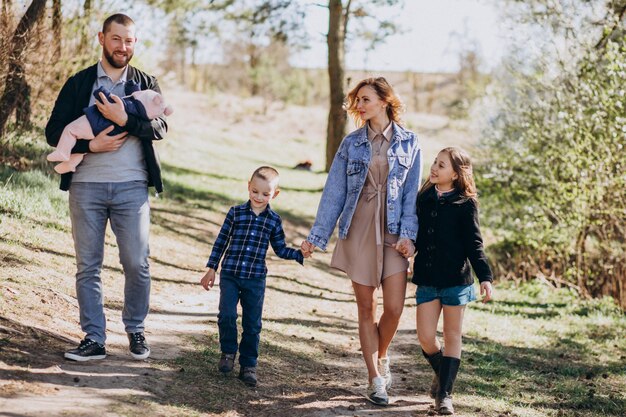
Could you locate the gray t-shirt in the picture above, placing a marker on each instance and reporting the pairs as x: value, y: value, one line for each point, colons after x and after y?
x: 125, y: 164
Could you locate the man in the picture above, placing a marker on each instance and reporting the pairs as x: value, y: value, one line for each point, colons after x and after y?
x: 111, y: 184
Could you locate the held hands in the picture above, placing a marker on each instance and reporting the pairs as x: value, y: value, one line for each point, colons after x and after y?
x: 208, y: 279
x: 115, y: 111
x: 487, y: 290
x: 307, y: 248
x: 405, y: 247
x: 105, y: 143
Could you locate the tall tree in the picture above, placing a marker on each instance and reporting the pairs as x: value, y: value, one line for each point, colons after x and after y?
x: 340, y: 13
x: 6, y: 20
x: 56, y: 28
x: 337, y: 23
x: 15, y: 85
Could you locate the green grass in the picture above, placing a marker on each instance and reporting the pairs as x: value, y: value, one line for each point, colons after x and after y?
x: 539, y: 349
x: 33, y: 195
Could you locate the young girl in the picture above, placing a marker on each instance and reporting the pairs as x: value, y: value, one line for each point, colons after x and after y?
x: 448, y: 241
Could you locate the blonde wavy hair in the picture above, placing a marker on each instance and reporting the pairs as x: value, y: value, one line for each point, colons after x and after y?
x: 384, y: 91
x: 462, y: 166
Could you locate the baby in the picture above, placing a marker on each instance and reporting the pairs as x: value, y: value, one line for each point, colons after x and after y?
x: 146, y: 104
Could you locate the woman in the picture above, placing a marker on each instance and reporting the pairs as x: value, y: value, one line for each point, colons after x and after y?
x: 371, y: 189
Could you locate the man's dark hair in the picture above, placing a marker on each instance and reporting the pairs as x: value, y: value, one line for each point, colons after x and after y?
x: 118, y: 18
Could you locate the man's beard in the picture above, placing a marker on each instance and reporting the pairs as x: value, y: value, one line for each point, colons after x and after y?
x: 111, y: 60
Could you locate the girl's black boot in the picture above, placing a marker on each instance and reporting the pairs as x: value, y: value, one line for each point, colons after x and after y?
x: 435, y: 362
x: 447, y: 375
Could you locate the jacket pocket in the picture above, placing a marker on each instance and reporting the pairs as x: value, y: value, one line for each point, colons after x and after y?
x: 354, y: 167
x: 404, y: 161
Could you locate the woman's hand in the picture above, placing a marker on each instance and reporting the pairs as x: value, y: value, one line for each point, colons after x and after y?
x: 487, y: 290
x: 405, y: 247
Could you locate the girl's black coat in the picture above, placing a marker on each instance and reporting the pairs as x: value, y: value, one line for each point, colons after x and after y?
x: 448, y: 241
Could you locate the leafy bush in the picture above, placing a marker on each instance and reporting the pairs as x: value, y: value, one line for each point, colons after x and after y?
x: 554, y: 177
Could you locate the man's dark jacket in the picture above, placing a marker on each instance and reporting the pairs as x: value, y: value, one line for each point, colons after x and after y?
x: 75, y: 96
x: 448, y: 241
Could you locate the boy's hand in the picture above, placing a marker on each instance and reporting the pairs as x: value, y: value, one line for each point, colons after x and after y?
x: 208, y: 279
x: 487, y: 290
x: 405, y: 247
x: 307, y: 248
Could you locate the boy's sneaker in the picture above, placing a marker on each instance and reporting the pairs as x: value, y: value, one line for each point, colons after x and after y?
x: 248, y: 375
x: 376, y: 392
x: 385, y: 371
x: 138, y: 346
x: 227, y: 362
x: 87, y: 350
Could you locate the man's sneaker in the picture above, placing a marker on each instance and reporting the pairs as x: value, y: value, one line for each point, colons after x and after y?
x: 87, y: 350
x: 227, y: 362
x: 248, y: 375
x: 376, y: 392
x: 138, y: 346
x: 385, y: 372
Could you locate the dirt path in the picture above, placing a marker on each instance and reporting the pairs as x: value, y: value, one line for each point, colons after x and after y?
x: 310, y: 338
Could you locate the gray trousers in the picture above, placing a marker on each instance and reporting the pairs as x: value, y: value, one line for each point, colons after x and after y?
x: 126, y: 205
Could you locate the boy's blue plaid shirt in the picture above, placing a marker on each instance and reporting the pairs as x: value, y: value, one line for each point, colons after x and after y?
x: 245, y: 237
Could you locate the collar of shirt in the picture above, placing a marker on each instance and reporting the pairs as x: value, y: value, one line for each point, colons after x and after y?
x: 387, y: 132
x: 265, y: 212
x: 102, y: 74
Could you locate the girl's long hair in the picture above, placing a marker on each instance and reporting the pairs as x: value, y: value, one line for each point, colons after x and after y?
x: 462, y: 166
x: 384, y: 91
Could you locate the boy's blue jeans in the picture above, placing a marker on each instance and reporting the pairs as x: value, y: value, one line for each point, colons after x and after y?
x: 251, y: 293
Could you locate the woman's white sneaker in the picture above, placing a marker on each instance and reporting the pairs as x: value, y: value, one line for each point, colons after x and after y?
x: 376, y: 391
x: 385, y: 371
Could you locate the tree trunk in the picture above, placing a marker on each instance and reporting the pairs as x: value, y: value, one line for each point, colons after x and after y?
x: 23, y: 109
x: 336, y: 62
x: 56, y: 28
x: 6, y: 22
x: 15, y: 78
x: 84, y: 32
x: 580, y: 262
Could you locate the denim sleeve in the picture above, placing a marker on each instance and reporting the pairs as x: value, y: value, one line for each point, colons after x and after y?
x: 408, y: 220
x: 221, y: 242
x: 332, y: 201
x: 277, y: 240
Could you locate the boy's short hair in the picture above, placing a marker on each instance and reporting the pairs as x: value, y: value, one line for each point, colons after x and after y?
x: 266, y: 173
x: 119, y: 18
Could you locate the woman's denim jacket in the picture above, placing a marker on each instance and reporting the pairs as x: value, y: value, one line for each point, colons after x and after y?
x: 347, y: 176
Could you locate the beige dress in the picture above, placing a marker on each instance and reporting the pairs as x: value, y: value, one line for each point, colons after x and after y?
x: 367, y: 254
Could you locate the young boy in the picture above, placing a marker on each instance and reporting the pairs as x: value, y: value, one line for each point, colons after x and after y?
x: 244, y: 237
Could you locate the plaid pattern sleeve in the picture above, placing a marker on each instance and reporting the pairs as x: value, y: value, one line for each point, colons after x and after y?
x: 277, y: 240
x: 222, y: 240
x: 250, y: 237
